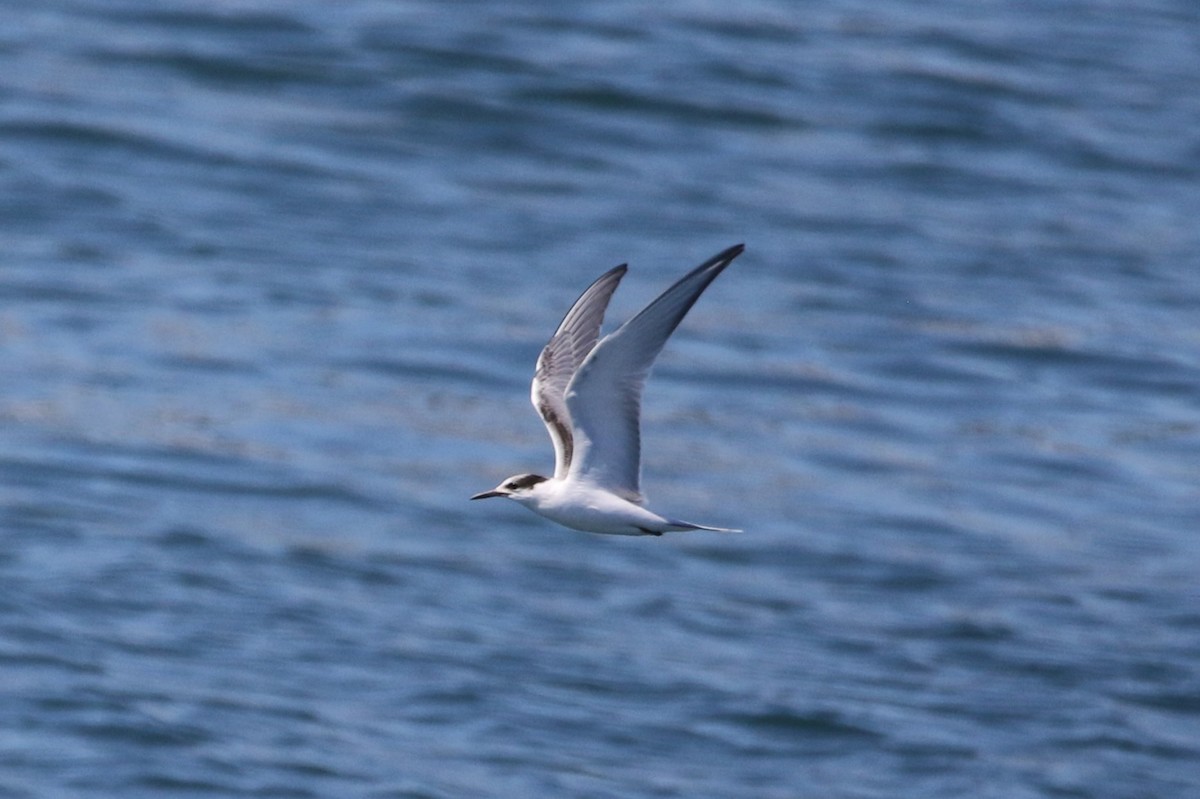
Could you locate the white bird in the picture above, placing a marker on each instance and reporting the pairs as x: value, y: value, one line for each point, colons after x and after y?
x: 589, y: 395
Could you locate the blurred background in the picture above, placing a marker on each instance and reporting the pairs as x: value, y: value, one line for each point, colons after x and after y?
x: 274, y: 278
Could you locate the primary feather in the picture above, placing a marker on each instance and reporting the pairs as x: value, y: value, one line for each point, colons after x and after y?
x: 604, y: 396
x: 560, y: 359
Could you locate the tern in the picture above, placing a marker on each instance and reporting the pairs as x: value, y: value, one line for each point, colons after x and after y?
x: 588, y: 391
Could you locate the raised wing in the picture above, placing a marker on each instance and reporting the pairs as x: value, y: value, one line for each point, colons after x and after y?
x: 561, y: 357
x: 604, y: 397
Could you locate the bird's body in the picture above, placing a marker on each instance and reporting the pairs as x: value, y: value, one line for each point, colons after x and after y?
x: 581, y: 506
x: 588, y: 392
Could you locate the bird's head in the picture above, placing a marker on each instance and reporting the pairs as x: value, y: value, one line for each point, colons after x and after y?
x: 517, y: 487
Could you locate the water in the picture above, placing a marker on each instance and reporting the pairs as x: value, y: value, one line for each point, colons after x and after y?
x: 274, y: 279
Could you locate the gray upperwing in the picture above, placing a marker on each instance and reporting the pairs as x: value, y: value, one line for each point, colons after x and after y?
x: 561, y: 357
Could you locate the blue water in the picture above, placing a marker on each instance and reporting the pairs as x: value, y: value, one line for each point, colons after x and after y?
x: 273, y: 282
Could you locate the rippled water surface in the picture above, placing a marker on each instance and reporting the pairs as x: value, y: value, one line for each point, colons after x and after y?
x: 274, y: 279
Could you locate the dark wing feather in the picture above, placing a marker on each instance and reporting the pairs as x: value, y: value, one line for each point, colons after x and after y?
x: 562, y: 355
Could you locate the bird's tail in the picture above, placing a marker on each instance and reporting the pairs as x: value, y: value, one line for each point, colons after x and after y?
x: 679, y: 526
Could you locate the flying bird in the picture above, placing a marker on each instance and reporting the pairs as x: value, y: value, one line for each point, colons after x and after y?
x: 588, y: 391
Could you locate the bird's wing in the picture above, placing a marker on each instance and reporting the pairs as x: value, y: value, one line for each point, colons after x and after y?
x: 561, y: 357
x: 604, y: 397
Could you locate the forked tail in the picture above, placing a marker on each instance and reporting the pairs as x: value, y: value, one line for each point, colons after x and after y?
x: 678, y: 526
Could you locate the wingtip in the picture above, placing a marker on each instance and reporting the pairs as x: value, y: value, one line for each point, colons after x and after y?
x: 722, y: 259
